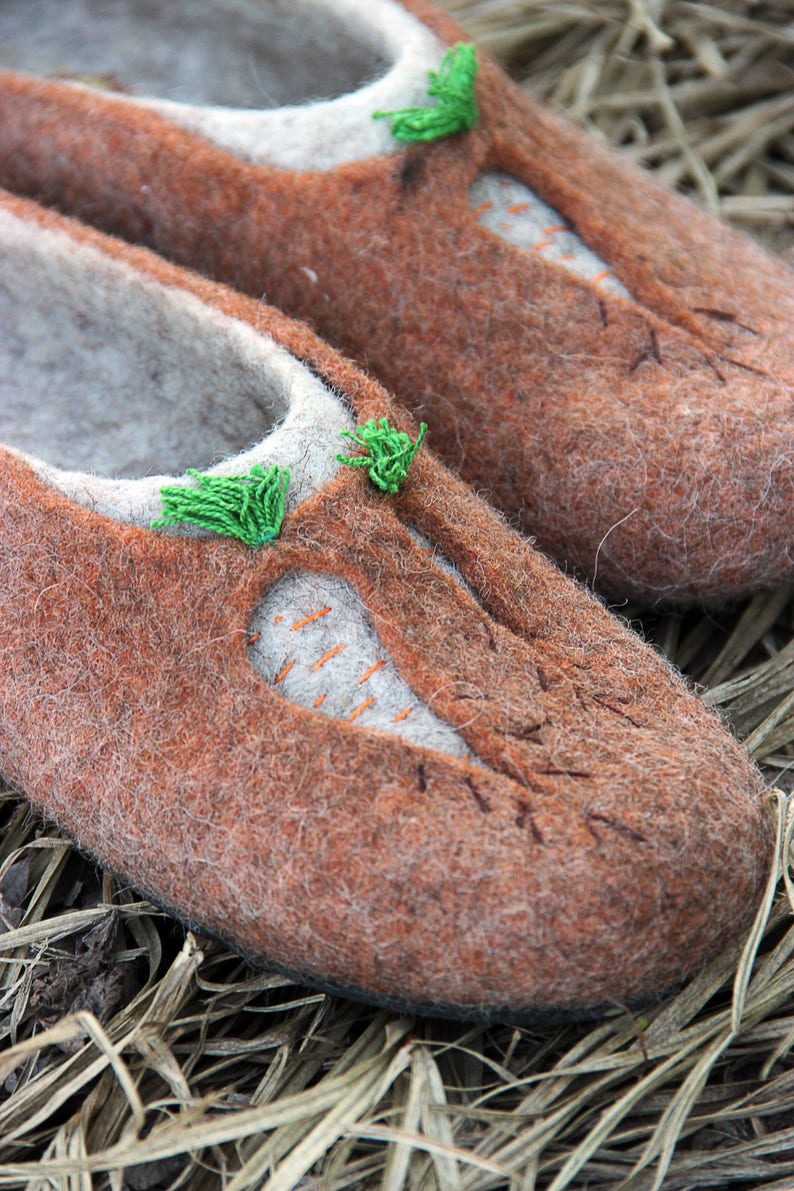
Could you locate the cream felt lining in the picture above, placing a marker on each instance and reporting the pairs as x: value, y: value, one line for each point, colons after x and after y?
x: 104, y: 370
x: 511, y: 210
x: 293, y: 83
x: 104, y: 367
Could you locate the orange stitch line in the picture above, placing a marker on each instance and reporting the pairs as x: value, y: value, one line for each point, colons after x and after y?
x: 565, y: 256
x: 600, y: 276
x: 372, y: 669
x: 516, y: 207
x: 321, y: 661
x: 277, y: 619
x: 556, y: 227
x: 540, y: 244
x: 284, y: 672
x: 307, y: 619
x: 253, y: 638
x: 403, y: 715
x: 361, y: 707
x: 320, y: 699
x: 482, y: 207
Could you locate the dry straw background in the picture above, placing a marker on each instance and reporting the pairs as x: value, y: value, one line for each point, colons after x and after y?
x: 134, y: 1057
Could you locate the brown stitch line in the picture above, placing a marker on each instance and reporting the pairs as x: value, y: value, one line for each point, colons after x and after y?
x: 602, y: 702
x: 746, y: 367
x: 657, y: 355
x: 529, y: 732
x: 723, y: 316
x: 492, y: 643
x: 308, y: 619
x: 421, y: 777
x: 377, y: 666
x: 714, y: 368
x: 621, y: 828
x: 402, y: 715
x: 553, y: 772
x: 479, y: 798
x: 361, y: 707
x: 328, y: 654
x: 602, y: 312
x: 284, y: 672
x: 650, y: 351
x: 517, y: 773
x: 525, y: 817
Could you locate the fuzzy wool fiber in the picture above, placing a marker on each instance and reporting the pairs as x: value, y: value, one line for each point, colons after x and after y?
x: 606, y: 837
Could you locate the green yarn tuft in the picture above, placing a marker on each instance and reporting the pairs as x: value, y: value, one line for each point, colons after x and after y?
x: 250, y: 507
x: 456, y: 110
x: 390, y: 452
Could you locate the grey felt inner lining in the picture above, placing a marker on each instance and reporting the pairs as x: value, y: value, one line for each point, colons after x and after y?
x: 104, y: 371
x: 240, y: 53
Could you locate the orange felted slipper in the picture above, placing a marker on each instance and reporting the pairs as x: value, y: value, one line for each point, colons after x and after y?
x: 607, y: 362
x: 312, y: 693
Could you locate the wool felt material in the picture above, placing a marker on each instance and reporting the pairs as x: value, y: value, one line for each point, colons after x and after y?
x: 603, y: 840
x: 647, y: 440
x: 105, y: 368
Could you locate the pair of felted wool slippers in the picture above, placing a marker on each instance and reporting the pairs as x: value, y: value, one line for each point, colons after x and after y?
x: 314, y: 695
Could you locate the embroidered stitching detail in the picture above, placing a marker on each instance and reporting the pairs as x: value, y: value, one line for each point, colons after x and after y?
x: 390, y: 452
x: 250, y: 508
x: 456, y: 110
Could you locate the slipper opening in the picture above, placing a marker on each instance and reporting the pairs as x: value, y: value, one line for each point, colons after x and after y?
x: 102, y: 369
x: 238, y: 54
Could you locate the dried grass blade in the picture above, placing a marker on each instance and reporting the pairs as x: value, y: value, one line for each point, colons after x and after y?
x: 758, y: 617
x: 398, y: 1155
x: 435, y: 1122
x: 45, y: 932
x: 617, y: 1112
x: 757, y: 742
x: 365, y: 1092
x: 408, y: 1140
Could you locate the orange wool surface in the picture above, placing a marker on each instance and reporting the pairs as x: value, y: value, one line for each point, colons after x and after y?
x: 606, y: 837
x: 647, y: 441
